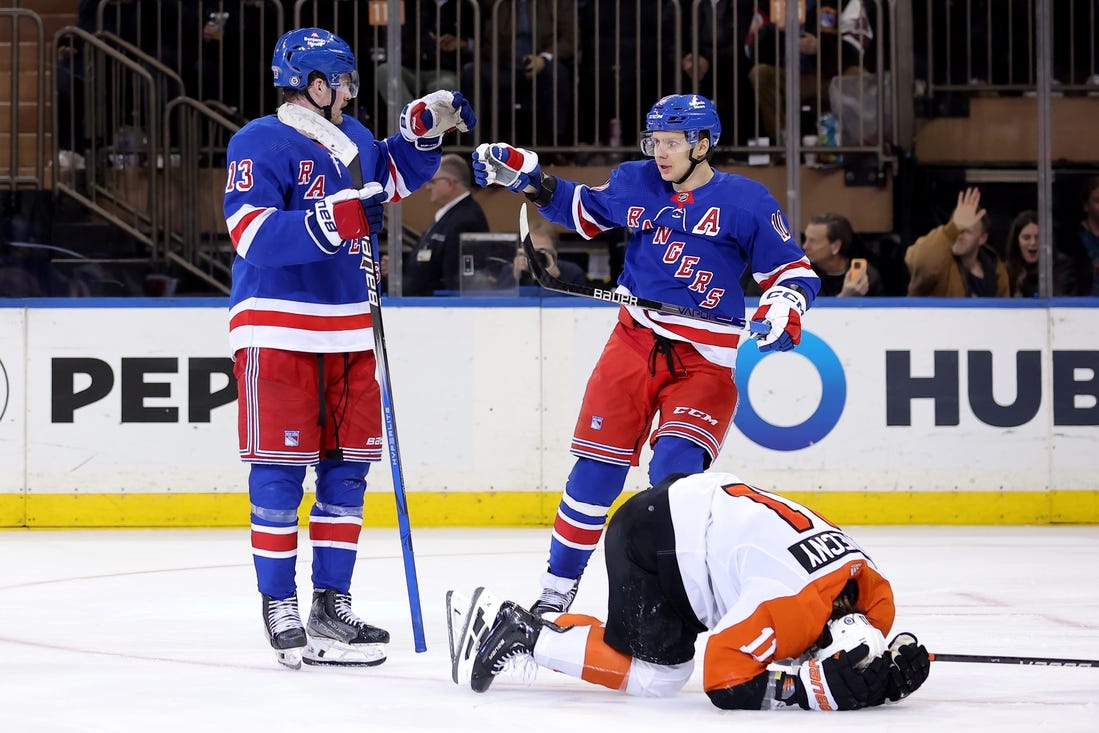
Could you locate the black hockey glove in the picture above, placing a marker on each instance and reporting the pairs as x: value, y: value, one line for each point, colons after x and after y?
x: 909, y: 666
x: 836, y: 683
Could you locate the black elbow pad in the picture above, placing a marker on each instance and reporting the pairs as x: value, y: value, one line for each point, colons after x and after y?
x: 745, y: 696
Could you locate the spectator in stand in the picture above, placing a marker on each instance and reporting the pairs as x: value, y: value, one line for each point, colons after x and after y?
x: 436, y: 37
x: 1089, y: 229
x: 723, y: 25
x: 954, y: 260
x: 827, y: 243
x: 830, y: 42
x: 531, y: 71
x: 614, y: 61
x: 434, y: 263
x: 1022, y: 262
x: 71, y: 142
x: 544, y: 238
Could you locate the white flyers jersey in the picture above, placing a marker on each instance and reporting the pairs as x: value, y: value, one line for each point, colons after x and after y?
x: 761, y: 572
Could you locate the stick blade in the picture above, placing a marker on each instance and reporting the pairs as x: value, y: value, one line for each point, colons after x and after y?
x: 524, y: 222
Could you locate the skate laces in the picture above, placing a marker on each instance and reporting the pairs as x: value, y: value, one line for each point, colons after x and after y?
x: 553, y: 600
x: 283, y: 615
x: 341, y: 604
x: 517, y: 664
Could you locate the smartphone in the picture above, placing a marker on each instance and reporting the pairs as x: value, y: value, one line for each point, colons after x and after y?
x: 858, y: 267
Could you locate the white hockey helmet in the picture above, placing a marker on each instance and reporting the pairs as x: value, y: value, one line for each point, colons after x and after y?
x: 849, y: 632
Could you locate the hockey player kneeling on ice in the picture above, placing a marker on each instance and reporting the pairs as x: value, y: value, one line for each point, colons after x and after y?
x: 796, y: 609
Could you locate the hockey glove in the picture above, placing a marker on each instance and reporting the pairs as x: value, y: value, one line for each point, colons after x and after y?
x: 782, y: 308
x: 836, y: 683
x: 425, y: 120
x: 513, y: 168
x: 345, y: 215
x: 910, y: 665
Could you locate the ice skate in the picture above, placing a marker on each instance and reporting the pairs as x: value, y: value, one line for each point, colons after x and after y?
x: 338, y: 637
x: 557, y: 595
x: 511, y: 638
x: 282, y: 622
x: 468, y: 621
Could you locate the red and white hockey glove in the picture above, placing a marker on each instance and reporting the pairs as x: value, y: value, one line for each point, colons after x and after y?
x: 425, y: 120
x: 782, y: 308
x: 345, y: 215
x: 504, y: 165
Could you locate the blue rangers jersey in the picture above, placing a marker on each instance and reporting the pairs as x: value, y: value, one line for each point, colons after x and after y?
x: 689, y: 248
x: 287, y: 293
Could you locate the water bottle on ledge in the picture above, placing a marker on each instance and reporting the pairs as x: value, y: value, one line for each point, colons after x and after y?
x: 828, y: 137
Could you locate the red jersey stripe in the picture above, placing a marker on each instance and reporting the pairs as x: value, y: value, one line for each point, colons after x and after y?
x: 359, y: 321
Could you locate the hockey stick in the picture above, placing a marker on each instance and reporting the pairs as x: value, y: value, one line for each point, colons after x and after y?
x: 1032, y: 661
x: 549, y: 282
x: 345, y: 150
x: 370, y: 263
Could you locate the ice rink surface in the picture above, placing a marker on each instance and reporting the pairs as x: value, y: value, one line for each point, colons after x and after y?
x: 160, y: 630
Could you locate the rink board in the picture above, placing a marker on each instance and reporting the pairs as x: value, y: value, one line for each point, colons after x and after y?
x: 122, y: 413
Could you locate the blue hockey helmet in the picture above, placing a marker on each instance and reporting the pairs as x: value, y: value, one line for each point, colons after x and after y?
x: 305, y: 50
x: 691, y: 113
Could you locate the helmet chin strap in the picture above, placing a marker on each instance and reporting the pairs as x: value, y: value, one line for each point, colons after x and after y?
x: 325, y: 110
x: 694, y: 161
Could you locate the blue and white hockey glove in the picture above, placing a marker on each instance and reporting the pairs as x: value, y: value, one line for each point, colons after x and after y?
x: 782, y: 308
x: 504, y: 165
x: 346, y: 215
x: 425, y: 120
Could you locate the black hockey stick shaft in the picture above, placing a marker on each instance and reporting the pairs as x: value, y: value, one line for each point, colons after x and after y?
x: 997, y: 659
x: 373, y: 272
x: 549, y: 282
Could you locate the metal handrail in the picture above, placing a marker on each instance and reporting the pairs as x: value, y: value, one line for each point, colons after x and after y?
x: 148, y: 236
x: 13, y: 177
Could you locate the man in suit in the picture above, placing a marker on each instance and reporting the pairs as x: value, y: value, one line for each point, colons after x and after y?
x: 433, y: 264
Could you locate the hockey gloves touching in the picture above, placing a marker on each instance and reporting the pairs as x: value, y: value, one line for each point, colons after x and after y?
x: 909, y: 666
x: 500, y: 163
x: 782, y: 308
x: 346, y: 215
x: 424, y: 120
x: 842, y: 682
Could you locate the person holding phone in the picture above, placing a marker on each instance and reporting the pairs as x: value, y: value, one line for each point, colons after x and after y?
x: 827, y: 242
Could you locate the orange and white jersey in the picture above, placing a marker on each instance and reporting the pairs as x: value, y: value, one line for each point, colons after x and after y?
x: 761, y: 572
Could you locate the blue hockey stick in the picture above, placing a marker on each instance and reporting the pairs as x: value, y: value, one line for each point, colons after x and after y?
x: 370, y: 263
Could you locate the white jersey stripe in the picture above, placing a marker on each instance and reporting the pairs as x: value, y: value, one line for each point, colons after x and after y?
x: 275, y: 555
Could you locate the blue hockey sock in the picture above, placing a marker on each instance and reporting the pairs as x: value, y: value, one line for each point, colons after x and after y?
x: 335, y: 522
x: 275, y: 493
x: 675, y: 455
x: 591, y: 489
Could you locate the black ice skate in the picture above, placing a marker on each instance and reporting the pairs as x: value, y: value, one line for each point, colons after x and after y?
x: 282, y: 622
x: 338, y: 637
x: 557, y: 595
x: 511, y: 637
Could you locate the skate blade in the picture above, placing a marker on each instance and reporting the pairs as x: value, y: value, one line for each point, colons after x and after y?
x: 290, y: 658
x: 476, y: 622
x: 329, y: 653
x: 457, y: 605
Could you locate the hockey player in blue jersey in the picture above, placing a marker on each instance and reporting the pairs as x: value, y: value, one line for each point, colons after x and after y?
x: 300, y: 219
x: 693, y: 232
